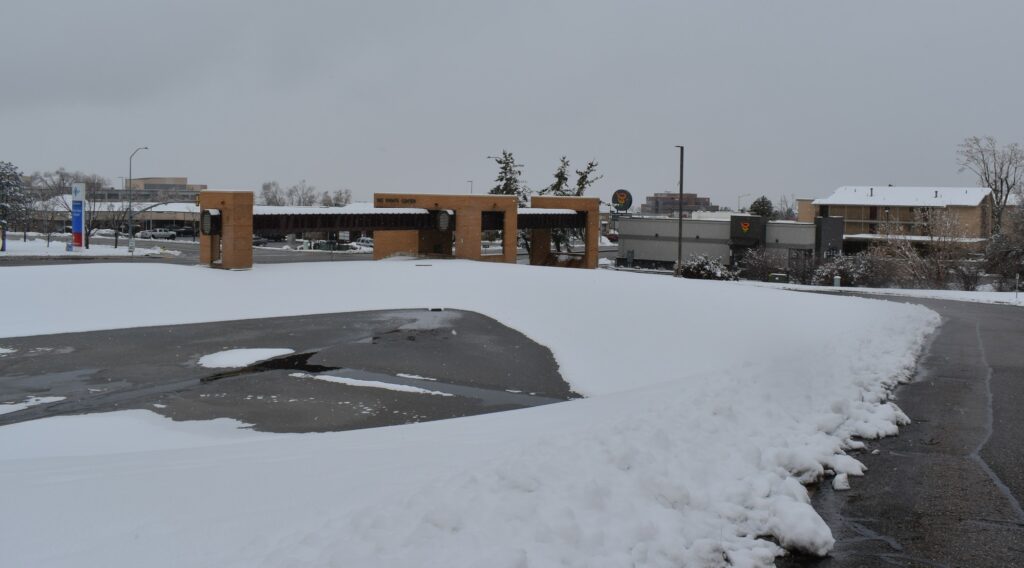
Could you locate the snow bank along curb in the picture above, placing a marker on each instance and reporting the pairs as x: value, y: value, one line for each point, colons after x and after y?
x: 714, y: 403
x: 979, y: 297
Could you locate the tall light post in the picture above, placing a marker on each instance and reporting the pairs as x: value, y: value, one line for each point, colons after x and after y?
x: 131, y: 216
x: 470, y: 186
x: 679, y: 243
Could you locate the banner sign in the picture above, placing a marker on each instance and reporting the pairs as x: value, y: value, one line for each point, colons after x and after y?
x: 77, y: 215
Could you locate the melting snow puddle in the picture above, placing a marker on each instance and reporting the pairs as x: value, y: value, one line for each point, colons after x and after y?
x: 4, y: 351
x: 369, y: 384
x: 417, y: 377
x: 240, y: 357
x: 7, y: 408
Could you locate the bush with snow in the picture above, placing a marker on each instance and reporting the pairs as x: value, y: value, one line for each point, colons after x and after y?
x: 703, y: 267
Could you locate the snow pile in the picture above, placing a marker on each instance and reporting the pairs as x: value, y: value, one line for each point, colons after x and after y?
x: 368, y: 384
x: 716, y: 403
x: 240, y: 357
x: 979, y: 296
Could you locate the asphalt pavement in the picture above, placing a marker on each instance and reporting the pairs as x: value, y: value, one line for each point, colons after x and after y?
x: 475, y: 364
x: 186, y: 251
x: 948, y: 490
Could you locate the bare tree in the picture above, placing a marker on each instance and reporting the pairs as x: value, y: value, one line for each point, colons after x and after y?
x: 930, y: 254
x: 785, y: 210
x: 301, y: 194
x: 999, y: 169
x: 271, y: 194
x: 342, y: 197
x: 759, y: 263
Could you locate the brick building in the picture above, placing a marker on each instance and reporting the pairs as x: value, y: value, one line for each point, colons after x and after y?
x: 669, y: 204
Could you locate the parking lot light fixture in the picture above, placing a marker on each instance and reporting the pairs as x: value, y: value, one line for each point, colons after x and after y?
x: 131, y: 216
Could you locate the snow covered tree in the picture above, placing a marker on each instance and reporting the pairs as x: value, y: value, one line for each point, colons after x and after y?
x: 762, y: 206
x: 13, y: 198
x: 508, y: 182
x: 561, y: 184
x: 999, y: 169
x: 586, y: 178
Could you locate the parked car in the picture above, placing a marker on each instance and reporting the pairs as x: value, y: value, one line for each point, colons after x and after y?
x: 259, y: 241
x: 184, y: 231
x: 157, y: 234
x: 366, y: 242
x: 108, y: 233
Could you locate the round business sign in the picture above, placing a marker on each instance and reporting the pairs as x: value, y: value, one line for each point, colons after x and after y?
x: 622, y: 200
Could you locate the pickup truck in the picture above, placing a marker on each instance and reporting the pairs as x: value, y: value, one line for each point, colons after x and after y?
x: 157, y: 234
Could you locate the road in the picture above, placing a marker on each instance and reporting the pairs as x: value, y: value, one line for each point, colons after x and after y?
x: 187, y: 253
x: 478, y: 364
x: 948, y: 490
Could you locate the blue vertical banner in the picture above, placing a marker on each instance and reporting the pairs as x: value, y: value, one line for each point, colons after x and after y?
x: 77, y: 215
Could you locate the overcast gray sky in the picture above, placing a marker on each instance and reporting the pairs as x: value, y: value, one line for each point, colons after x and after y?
x: 768, y: 97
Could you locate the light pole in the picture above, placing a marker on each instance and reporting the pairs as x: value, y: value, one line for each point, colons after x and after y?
x: 131, y: 217
x: 679, y: 242
x: 470, y: 186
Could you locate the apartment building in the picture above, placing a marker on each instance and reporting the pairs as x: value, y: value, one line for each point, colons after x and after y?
x: 871, y: 212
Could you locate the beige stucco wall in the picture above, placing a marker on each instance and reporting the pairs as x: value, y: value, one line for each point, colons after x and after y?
x: 233, y: 248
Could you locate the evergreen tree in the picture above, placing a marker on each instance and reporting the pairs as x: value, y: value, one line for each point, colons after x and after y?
x: 762, y: 206
x: 586, y: 178
x: 14, y: 199
x: 561, y: 184
x: 508, y: 182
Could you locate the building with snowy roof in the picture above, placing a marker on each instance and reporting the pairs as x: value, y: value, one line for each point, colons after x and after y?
x: 875, y: 212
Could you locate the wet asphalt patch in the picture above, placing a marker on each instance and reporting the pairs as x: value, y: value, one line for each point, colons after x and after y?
x: 480, y: 365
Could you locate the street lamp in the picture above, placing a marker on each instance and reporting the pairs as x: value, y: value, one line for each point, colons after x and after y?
x: 131, y: 216
x: 679, y: 243
x: 470, y: 186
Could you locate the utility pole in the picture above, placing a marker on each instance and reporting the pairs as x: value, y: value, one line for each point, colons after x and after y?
x: 679, y: 243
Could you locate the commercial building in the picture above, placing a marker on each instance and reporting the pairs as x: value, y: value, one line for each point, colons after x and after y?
x: 155, y: 189
x: 670, y: 204
x: 654, y: 242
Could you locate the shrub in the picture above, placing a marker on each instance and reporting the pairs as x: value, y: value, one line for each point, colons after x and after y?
x: 759, y: 263
x: 702, y: 267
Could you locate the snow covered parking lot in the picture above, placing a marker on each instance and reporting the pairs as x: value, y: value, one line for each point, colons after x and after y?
x: 712, y: 405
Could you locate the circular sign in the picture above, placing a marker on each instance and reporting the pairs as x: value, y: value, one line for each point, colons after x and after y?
x: 622, y: 200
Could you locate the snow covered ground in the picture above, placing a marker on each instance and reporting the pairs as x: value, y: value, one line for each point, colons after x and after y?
x: 982, y: 297
x: 713, y: 404
x: 37, y: 246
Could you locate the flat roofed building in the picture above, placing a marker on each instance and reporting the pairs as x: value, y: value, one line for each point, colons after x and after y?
x: 870, y: 210
x: 669, y: 204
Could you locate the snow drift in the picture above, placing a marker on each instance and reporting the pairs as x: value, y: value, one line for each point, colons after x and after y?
x: 709, y: 404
